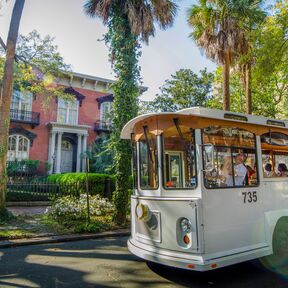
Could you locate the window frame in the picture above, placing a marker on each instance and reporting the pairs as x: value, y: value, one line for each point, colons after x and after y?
x: 163, y: 166
x: 20, y: 101
x: 67, y: 108
x: 16, y: 158
x: 102, y: 114
x: 231, y: 152
x: 156, y: 166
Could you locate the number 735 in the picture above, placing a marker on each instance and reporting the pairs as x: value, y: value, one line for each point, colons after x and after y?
x: 249, y: 196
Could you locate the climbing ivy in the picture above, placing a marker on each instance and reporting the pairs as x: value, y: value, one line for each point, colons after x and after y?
x: 124, y: 52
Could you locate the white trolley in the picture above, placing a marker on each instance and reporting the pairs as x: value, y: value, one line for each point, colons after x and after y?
x: 192, y: 208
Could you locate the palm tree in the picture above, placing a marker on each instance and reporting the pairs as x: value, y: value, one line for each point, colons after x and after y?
x: 220, y: 29
x: 128, y: 23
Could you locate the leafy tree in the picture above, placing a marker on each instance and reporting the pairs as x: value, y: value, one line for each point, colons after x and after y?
x: 128, y: 22
x: 37, y: 65
x: 185, y: 89
x: 220, y: 29
x: 270, y: 71
x: 102, y: 157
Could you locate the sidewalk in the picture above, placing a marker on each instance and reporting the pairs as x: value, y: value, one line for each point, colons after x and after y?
x: 44, y: 239
x: 33, y: 210
x: 61, y: 238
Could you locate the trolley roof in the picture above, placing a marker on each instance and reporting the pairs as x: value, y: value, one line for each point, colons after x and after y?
x: 228, y: 116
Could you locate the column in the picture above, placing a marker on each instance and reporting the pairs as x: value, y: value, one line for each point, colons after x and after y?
x: 83, y: 151
x: 52, y: 152
x: 79, y: 145
x: 58, y: 157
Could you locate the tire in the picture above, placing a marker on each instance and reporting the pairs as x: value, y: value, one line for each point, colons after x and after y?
x: 280, y: 238
x: 280, y: 243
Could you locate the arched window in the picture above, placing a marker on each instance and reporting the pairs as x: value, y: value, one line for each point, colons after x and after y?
x: 18, y: 147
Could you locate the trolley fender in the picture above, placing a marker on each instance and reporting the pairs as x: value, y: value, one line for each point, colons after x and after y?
x: 271, y: 219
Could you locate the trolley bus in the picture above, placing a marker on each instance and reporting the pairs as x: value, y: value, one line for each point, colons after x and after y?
x: 210, y: 189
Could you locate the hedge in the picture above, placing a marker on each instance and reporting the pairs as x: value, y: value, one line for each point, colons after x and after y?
x: 75, y: 183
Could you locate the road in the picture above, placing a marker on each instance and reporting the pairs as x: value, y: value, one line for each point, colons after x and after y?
x: 107, y: 263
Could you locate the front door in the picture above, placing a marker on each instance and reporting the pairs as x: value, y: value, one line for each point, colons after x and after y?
x: 66, y: 156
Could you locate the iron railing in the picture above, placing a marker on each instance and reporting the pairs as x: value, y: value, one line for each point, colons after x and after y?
x: 102, y: 126
x: 24, y: 116
x: 39, y: 189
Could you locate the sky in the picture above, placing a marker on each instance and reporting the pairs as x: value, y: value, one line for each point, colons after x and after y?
x: 77, y: 37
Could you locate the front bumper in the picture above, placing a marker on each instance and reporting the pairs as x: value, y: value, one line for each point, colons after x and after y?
x: 192, y: 261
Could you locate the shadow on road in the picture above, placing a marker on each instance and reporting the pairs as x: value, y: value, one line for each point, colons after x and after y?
x: 92, y: 263
x: 252, y: 274
x: 107, y: 263
x: 54, y: 265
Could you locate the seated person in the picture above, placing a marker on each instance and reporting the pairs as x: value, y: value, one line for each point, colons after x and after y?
x: 251, y: 173
x: 240, y: 170
x: 268, y: 170
x: 282, y: 170
x: 172, y: 183
x: 226, y: 172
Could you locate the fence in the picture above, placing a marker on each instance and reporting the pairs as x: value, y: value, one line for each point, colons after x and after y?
x: 46, y: 191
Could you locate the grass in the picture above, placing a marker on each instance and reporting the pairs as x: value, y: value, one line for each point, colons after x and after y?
x: 14, y: 234
x: 96, y: 224
x: 23, y: 226
x: 27, y: 226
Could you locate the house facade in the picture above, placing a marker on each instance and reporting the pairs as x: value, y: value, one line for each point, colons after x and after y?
x: 59, y: 134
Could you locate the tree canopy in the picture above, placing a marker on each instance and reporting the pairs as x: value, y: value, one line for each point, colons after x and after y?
x: 269, y: 71
x: 184, y: 89
x: 221, y: 28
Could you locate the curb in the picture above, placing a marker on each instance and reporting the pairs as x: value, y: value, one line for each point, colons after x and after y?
x: 61, y: 238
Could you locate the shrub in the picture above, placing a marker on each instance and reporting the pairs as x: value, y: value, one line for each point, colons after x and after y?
x: 22, y: 166
x: 75, y: 183
x: 69, y: 207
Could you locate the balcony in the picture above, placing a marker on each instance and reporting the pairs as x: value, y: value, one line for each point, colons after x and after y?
x: 101, y: 126
x: 23, y: 116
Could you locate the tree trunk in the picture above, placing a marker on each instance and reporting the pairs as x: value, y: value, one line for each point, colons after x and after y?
x: 226, y: 83
x: 6, y: 94
x: 248, y: 88
x: 125, y: 107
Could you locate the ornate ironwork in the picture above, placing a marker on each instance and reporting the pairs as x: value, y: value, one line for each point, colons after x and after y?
x: 24, y: 116
x: 101, y: 126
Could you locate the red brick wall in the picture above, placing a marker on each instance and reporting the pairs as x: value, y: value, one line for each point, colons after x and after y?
x: 88, y: 113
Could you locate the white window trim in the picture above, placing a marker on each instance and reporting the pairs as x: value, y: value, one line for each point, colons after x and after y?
x: 17, y: 147
x: 107, y: 103
x: 67, y: 113
x: 21, y: 102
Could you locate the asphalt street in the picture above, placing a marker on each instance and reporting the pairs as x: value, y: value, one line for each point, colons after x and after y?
x: 106, y: 262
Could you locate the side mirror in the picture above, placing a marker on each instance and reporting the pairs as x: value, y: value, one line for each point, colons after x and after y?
x: 208, y: 155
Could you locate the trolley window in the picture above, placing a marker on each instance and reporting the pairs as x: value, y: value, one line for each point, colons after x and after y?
x: 179, y: 157
x: 148, y: 160
x: 229, y: 157
x: 274, y: 156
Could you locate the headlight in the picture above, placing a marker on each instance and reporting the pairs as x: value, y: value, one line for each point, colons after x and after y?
x: 143, y: 212
x: 185, y: 225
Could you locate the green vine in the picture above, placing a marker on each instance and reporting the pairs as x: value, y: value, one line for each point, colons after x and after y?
x: 124, y: 53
